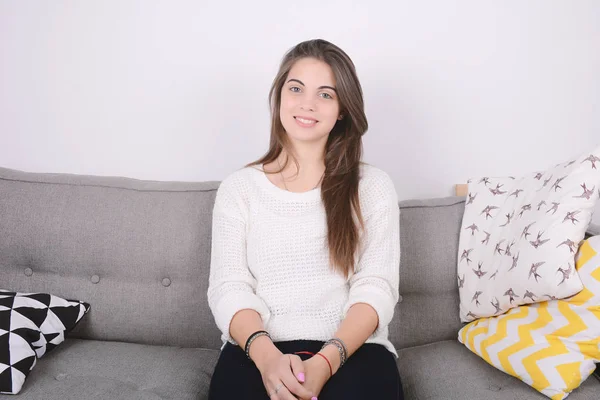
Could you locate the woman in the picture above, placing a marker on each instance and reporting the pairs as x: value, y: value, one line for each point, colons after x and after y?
x: 305, y: 248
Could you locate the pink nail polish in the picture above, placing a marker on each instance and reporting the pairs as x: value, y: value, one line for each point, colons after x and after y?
x: 314, y: 398
x: 301, y: 376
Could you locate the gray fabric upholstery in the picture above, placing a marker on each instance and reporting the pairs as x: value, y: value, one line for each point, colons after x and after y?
x: 429, y: 231
x: 447, y: 370
x: 100, y: 370
x: 593, y: 229
x: 148, y: 243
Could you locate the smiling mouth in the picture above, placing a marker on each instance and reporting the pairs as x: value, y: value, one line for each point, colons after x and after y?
x: 306, y: 121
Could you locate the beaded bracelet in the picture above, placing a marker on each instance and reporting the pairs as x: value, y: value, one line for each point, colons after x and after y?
x: 341, y: 346
x: 252, y: 338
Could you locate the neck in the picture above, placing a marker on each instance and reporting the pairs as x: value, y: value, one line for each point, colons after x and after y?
x: 310, y: 157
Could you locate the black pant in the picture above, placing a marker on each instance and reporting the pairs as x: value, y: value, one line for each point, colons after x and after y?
x: 370, y: 373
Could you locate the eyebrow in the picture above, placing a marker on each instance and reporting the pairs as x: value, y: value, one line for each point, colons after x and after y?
x: 320, y: 87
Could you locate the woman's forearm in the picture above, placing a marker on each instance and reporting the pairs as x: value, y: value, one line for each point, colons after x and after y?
x: 359, y: 324
x: 243, y: 324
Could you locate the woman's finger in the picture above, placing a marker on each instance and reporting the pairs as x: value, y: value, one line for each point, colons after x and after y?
x: 274, y: 391
x: 297, y: 367
x: 292, y: 384
x: 283, y: 394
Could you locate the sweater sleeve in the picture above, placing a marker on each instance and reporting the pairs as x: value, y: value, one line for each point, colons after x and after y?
x: 376, y: 277
x: 231, y: 286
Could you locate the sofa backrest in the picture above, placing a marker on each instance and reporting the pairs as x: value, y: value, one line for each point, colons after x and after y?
x: 138, y: 251
x: 428, y: 311
x: 429, y: 238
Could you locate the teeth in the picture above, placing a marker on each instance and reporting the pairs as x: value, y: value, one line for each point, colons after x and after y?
x: 305, y: 121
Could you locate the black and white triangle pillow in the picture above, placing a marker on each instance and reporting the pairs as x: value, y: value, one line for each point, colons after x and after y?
x: 31, y: 325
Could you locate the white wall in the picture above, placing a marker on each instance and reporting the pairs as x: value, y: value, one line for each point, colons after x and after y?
x: 177, y: 90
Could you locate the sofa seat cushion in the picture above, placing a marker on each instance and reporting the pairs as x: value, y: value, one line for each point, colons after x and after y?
x: 94, y: 370
x: 448, y: 370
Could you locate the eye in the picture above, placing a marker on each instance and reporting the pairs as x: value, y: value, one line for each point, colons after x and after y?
x: 294, y: 87
x: 328, y: 96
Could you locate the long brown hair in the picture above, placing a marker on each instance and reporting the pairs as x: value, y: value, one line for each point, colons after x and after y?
x: 343, y: 150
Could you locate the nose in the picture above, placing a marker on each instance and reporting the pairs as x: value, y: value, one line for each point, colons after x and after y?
x: 307, y: 107
x: 307, y: 103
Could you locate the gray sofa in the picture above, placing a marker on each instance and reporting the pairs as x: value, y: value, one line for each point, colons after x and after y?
x: 138, y: 251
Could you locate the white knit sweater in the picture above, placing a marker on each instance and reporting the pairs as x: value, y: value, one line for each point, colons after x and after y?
x: 269, y: 254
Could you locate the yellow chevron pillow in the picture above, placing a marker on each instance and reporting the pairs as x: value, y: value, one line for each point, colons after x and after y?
x: 552, y: 346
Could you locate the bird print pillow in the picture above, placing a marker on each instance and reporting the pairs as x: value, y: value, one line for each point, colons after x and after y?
x: 552, y: 346
x: 519, y: 236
